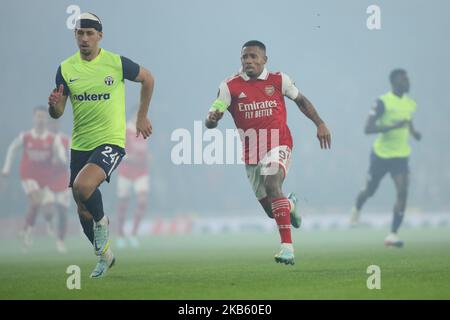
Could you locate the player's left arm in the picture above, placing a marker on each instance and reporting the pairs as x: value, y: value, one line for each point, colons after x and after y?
x: 323, y: 134
x: 306, y: 107
x: 416, y: 134
x: 143, y: 124
x: 136, y: 73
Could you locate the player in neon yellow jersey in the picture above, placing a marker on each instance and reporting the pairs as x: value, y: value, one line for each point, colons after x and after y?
x: 94, y: 78
x: 392, y: 119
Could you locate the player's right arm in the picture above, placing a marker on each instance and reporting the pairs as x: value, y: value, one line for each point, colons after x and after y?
x: 212, y: 119
x: 416, y: 134
x: 58, y: 98
x: 219, y: 106
x: 289, y: 90
x: 377, y: 111
x: 57, y: 103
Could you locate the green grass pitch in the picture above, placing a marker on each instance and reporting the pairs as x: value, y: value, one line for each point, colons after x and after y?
x: 329, y: 265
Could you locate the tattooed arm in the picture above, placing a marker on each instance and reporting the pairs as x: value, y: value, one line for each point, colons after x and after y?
x: 323, y: 134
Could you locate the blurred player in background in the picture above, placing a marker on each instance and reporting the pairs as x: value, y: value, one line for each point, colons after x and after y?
x: 133, y: 176
x: 39, y: 148
x: 255, y: 99
x: 59, y: 186
x: 94, y: 79
x: 391, y: 118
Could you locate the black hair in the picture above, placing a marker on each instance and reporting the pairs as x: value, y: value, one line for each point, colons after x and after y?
x: 395, y: 73
x: 255, y: 43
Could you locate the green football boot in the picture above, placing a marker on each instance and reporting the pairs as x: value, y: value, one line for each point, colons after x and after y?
x: 105, y: 262
x: 296, y: 219
x: 286, y: 254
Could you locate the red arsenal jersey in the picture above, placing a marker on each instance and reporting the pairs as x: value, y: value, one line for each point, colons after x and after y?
x: 36, y: 157
x: 259, y: 111
x: 135, y: 163
x: 39, y: 153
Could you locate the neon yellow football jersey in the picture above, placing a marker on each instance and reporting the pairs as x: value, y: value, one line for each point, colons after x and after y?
x: 97, y: 94
x: 394, y: 143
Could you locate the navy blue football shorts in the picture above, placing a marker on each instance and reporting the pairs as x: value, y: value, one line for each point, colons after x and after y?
x: 106, y: 156
x: 380, y: 166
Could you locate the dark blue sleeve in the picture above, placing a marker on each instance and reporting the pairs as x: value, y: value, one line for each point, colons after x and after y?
x: 130, y: 69
x: 60, y: 80
x: 379, y: 108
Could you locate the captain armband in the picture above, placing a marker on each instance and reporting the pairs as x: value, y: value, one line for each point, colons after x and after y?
x: 219, y: 105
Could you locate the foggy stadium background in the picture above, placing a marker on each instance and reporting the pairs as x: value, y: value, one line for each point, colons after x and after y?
x: 191, y: 46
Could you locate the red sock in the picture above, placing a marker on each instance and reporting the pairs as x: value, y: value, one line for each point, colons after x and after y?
x: 281, y: 213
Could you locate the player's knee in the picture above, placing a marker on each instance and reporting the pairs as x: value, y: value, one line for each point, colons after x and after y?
x: 123, y: 201
x: 35, y: 202
x: 402, y: 191
x: 369, y: 192
x: 401, y: 203
x: 273, y: 190
x: 142, y: 200
x: 142, y: 205
x: 35, y: 199
x: 83, y: 190
x: 402, y: 195
x: 370, y: 189
x: 49, y: 211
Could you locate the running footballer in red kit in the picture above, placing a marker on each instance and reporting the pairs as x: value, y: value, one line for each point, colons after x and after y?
x: 39, y: 148
x: 255, y: 100
x: 133, y: 177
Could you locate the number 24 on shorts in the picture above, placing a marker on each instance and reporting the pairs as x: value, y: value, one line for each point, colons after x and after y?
x: 107, y: 154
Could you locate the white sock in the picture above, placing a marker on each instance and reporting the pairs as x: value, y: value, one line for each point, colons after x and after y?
x: 103, y: 221
x: 288, y: 246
